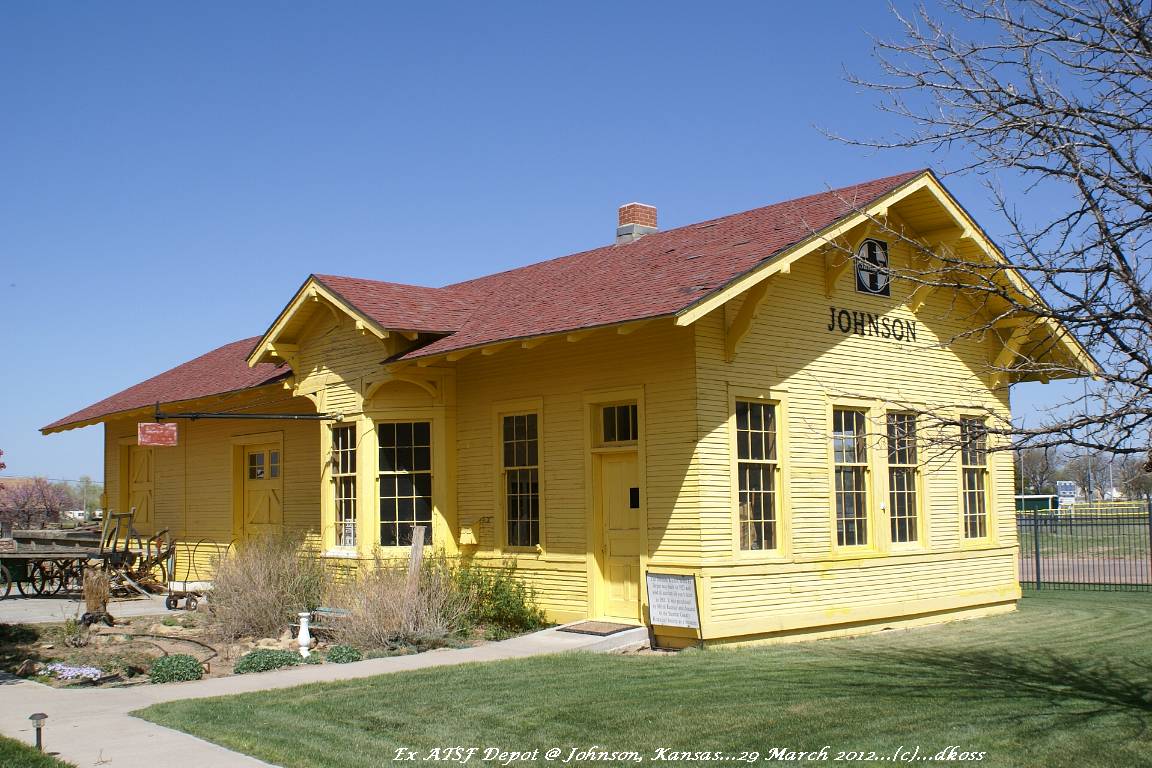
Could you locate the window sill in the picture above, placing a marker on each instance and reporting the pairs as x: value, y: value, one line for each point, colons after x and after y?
x: 345, y: 553
x: 857, y: 553
x: 537, y: 550
x: 762, y: 556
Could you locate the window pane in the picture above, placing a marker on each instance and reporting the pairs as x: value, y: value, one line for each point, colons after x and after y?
x: 975, y: 504
x: 344, y: 485
x: 756, y: 454
x: 902, y: 471
x: 422, y: 459
x: 405, y: 481
x: 974, y: 460
x: 850, y: 455
x: 902, y: 500
x: 620, y: 423
x: 521, y: 479
x: 522, y: 507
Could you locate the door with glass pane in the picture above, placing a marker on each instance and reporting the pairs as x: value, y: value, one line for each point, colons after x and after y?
x: 263, y: 504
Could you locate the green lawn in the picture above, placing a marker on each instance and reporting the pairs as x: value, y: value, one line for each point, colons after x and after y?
x: 1063, y: 682
x: 1129, y: 541
x: 15, y: 754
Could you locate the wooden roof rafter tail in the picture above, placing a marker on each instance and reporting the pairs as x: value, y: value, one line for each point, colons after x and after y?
x: 490, y: 348
x: 865, y: 215
x: 971, y: 231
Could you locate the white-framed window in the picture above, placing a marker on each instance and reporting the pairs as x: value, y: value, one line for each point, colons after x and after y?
x: 405, y: 475
x: 757, y: 467
x: 520, y: 440
x: 343, y: 483
x: 903, y: 470
x: 974, y: 480
x: 850, y: 457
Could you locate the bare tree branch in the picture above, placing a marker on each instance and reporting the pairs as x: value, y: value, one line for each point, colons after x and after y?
x: 1059, y: 93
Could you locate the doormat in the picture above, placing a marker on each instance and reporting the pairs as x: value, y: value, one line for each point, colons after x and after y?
x: 601, y: 628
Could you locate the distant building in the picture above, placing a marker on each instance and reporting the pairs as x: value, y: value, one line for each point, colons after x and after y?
x: 1068, y: 492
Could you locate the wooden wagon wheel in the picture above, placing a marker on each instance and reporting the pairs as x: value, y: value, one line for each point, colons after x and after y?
x: 150, y: 572
x: 72, y: 574
x: 46, y: 577
x: 5, y: 582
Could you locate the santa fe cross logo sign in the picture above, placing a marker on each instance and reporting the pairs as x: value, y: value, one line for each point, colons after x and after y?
x: 872, y: 268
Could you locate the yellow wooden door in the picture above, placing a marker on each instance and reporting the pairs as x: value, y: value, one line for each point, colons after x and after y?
x: 141, y: 482
x: 619, y: 498
x: 263, y: 506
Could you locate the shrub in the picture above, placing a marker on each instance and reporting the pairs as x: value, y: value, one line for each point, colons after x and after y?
x: 388, y: 610
x: 313, y: 658
x: 259, y: 589
x: 502, y: 602
x: 176, y: 668
x: 344, y: 654
x: 264, y: 659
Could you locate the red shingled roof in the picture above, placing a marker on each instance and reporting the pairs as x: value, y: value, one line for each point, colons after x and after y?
x: 221, y: 370
x: 401, y: 307
x: 659, y: 275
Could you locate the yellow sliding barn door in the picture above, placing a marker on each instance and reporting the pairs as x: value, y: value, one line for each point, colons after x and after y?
x: 141, y: 480
x: 263, y: 506
x: 619, y: 500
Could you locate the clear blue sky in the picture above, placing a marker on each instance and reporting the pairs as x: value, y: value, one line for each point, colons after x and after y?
x: 170, y: 173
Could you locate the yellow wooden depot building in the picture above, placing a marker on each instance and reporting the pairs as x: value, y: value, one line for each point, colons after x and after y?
x: 733, y: 400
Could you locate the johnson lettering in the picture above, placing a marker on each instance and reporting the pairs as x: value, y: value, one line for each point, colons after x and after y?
x: 851, y: 321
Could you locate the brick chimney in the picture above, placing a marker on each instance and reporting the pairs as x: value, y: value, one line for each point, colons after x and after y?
x: 636, y: 220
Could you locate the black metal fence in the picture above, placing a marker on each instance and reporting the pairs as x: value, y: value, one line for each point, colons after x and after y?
x: 1105, y: 547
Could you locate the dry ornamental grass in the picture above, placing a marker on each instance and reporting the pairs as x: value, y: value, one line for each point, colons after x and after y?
x: 258, y: 591
x: 388, y: 609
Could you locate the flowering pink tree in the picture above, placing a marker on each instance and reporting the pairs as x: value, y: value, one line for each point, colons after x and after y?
x: 33, y: 502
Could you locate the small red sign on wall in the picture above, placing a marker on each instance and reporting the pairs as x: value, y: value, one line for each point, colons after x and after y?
x: 149, y: 433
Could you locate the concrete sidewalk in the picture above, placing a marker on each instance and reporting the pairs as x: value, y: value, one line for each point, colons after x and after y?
x: 91, y: 727
x: 16, y: 609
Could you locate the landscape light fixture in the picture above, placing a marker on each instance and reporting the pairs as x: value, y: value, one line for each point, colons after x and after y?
x: 38, y: 719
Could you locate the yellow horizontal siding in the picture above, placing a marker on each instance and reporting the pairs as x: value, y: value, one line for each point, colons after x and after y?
x: 789, y: 351
x: 193, y: 481
x: 844, y: 590
x: 657, y: 358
